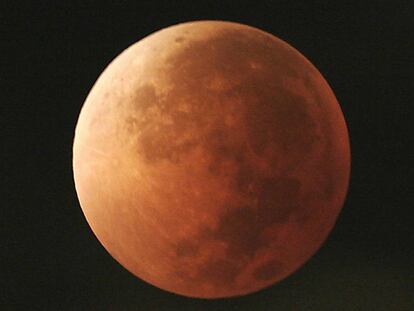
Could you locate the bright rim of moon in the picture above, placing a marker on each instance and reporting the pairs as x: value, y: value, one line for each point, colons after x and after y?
x: 211, y: 159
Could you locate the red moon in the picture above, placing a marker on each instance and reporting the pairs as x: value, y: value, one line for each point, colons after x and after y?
x: 211, y: 159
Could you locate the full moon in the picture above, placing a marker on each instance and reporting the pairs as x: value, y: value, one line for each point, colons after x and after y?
x: 211, y: 159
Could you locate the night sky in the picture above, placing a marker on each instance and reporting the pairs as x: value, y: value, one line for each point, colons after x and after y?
x: 52, y: 54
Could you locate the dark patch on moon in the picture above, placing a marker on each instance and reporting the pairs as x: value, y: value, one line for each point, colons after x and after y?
x: 245, y: 175
x: 241, y: 227
x: 279, y: 117
x: 144, y: 98
x: 277, y: 200
x: 268, y: 270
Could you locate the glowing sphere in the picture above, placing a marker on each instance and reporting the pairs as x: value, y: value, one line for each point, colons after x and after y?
x: 211, y: 159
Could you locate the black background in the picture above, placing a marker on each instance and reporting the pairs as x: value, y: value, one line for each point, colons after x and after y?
x: 51, y: 55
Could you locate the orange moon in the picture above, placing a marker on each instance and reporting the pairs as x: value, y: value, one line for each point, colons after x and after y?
x: 211, y: 159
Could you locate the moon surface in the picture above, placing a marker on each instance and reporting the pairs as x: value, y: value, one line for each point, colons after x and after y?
x: 211, y: 159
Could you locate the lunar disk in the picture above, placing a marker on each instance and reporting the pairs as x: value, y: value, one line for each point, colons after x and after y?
x: 211, y: 159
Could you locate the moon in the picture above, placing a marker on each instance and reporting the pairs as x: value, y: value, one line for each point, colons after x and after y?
x: 211, y: 159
